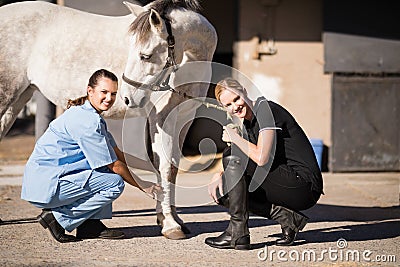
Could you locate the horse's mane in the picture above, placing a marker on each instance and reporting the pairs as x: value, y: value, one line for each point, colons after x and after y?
x: 141, y: 25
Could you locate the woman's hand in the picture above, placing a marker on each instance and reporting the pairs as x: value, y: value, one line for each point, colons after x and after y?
x: 229, y: 134
x: 216, y: 184
x: 151, y: 189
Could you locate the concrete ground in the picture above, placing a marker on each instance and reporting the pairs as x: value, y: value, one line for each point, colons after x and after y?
x: 356, y: 223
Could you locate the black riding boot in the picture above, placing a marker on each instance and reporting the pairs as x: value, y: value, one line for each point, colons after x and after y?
x: 291, y: 223
x: 237, y: 234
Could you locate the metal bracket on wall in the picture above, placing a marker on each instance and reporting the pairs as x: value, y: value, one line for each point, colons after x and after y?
x: 263, y: 47
x: 264, y: 44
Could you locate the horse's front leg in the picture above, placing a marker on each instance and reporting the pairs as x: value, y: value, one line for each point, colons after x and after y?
x: 166, y: 160
x: 167, y: 218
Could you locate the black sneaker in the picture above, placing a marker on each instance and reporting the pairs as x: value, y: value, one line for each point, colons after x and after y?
x: 47, y: 220
x: 92, y: 228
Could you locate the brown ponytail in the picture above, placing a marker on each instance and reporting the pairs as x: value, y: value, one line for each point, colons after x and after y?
x: 76, y: 102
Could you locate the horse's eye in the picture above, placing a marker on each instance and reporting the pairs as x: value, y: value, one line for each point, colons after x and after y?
x: 144, y: 57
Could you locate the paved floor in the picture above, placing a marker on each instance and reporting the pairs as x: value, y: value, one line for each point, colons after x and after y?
x: 356, y: 223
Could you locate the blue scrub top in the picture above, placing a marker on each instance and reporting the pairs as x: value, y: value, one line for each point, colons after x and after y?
x: 73, y: 146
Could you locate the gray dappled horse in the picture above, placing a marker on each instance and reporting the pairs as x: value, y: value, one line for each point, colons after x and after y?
x: 54, y: 49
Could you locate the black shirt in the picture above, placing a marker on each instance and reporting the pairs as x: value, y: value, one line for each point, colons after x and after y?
x: 293, y: 148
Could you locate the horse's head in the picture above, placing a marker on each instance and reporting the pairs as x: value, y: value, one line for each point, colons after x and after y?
x: 151, y: 54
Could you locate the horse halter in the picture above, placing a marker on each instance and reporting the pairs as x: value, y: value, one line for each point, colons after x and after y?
x: 161, y: 83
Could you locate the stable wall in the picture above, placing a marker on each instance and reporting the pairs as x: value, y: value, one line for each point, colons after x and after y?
x: 294, y: 76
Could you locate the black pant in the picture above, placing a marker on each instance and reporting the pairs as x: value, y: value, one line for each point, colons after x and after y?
x: 282, y: 187
x: 285, y: 188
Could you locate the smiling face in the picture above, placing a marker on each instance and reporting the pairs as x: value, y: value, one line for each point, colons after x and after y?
x: 235, y: 104
x: 102, y: 95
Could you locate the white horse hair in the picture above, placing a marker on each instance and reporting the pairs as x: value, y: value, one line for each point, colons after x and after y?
x: 55, y: 49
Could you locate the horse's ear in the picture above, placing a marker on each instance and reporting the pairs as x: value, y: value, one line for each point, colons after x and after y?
x: 134, y: 8
x: 156, y: 22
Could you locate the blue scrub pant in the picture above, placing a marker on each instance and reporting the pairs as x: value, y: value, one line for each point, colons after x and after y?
x: 73, y: 204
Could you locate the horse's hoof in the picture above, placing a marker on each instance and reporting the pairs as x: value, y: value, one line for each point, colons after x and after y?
x: 174, y: 234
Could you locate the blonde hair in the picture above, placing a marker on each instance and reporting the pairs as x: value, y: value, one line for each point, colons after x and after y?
x: 228, y: 84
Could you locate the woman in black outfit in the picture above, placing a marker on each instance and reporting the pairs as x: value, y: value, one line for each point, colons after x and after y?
x: 271, y: 171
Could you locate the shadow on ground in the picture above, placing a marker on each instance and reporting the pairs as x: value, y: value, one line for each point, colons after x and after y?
x: 378, y: 223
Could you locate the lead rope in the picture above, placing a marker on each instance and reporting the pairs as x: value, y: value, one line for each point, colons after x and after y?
x: 231, y: 125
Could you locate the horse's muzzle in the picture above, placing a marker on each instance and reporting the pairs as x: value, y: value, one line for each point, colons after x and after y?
x: 130, y: 103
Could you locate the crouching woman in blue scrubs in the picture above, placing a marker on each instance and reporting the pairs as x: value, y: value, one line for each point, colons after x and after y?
x: 76, y: 170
